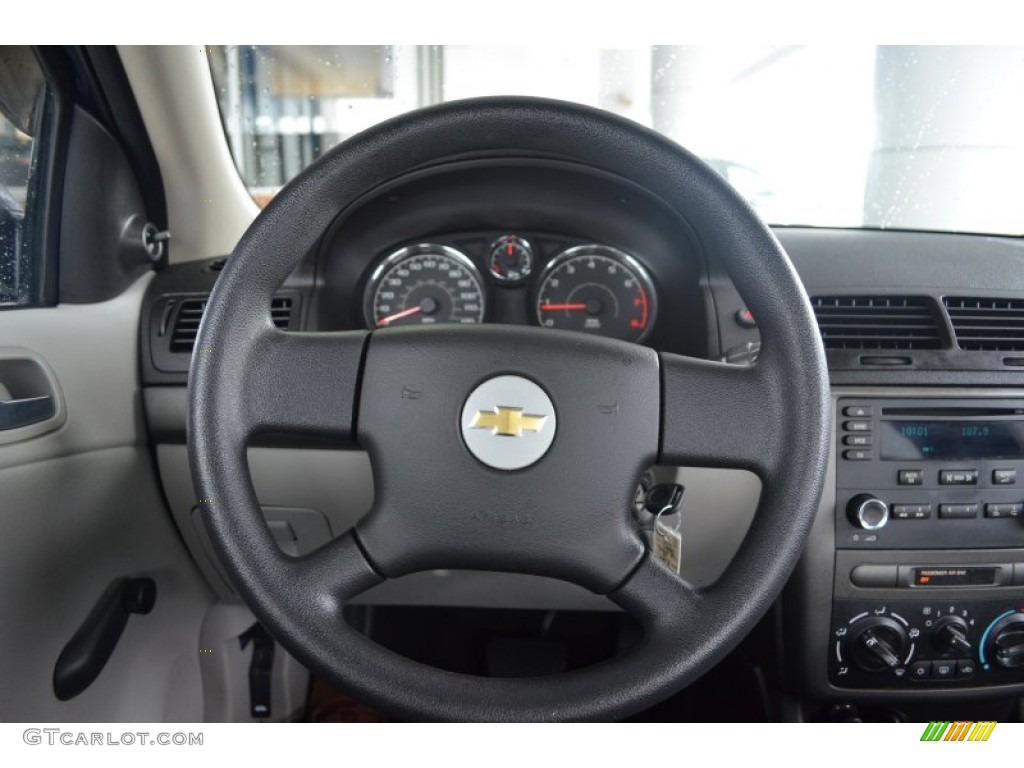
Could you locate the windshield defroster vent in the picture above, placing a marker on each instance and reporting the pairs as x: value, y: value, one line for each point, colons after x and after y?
x: 877, y: 322
x: 190, y: 313
x: 987, y: 325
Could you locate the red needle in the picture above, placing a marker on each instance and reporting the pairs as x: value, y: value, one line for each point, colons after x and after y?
x: 556, y: 307
x: 400, y: 315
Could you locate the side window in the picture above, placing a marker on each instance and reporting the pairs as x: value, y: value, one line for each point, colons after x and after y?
x: 22, y: 97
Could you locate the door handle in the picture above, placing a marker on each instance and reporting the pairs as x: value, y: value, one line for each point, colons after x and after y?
x: 26, y: 411
x: 31, y: 404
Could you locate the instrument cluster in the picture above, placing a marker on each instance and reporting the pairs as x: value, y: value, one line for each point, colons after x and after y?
x: 513, y: 278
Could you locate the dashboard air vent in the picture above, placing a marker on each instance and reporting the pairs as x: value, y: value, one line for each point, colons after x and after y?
x: 190, y: 313
x: 987, y: 324
x: 281, y: 312
x: 877, y: 322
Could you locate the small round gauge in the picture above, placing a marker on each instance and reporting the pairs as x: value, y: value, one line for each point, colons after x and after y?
x: 511, y: 259
x: 424, y: 284
x: 597, y: 289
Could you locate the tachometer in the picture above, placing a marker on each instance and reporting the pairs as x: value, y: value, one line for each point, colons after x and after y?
x: 424, y: 284
x: 597, y: 289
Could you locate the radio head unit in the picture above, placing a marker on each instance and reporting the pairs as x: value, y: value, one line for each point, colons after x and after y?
x: 929, y: 473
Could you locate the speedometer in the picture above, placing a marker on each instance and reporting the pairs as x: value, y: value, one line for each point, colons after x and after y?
x: 423, y: 285
x: 597, y: 289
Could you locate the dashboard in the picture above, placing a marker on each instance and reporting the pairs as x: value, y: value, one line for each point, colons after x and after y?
x: 913, y: 580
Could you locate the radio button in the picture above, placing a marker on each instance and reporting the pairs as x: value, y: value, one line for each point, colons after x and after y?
x: 1004, y: 510
x: 958, y: 477
x: 857, y: 455
x: 1004, y: 476
x: 857, y: 426
x: 858, y: 411
x: 911, y: 511
x: 958, y: 511
x: 910, y: 476
x: 860, y: 440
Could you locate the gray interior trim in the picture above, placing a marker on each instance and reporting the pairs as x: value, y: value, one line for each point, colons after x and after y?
x: 72, y: 525
x: 337, y: 484
x: 717, y: 512
x: 81, y: 507
x: 225, y: 666
x: 95, y: 367
x: 860, y: 260
x: 20, y: 366
x: 208, y: 207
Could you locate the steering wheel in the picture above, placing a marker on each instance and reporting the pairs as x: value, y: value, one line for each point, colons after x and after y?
x: 507, y: 448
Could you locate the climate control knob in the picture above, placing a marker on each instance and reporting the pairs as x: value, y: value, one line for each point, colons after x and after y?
x: 1006, y: 646
x: 877, y: 644
x: 867, y: 512
x: 950, y: 636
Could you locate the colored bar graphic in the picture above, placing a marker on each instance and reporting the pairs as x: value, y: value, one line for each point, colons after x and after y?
x: 960, y: 730
x: 989, y: 727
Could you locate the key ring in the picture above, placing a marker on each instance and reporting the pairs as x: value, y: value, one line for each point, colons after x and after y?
x: 658, y: 525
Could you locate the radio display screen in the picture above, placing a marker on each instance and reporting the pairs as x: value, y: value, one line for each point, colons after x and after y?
x: 923, y: 440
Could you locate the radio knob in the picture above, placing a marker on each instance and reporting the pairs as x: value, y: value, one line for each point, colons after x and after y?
x: 950, y: 636
x: 867, y: 512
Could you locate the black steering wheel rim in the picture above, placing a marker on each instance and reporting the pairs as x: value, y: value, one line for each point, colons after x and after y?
x: 773, y: 418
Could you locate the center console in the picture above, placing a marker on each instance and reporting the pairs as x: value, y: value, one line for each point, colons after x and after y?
x: 923, y: 522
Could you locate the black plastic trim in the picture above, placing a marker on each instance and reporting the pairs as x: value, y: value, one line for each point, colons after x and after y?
x: 539, y: 195
x: 49, y: 192
x: 86, y: 654
x: 122, y: 117
x: 191, y: 280
x: 102, y: 249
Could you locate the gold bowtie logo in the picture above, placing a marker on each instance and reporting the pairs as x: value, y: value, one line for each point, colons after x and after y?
x: 510, y: 422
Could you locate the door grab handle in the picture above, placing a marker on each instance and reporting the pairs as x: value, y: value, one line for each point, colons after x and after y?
x: 26, y: 411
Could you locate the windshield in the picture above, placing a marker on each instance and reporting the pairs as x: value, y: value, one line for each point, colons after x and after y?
x: 915, y: 137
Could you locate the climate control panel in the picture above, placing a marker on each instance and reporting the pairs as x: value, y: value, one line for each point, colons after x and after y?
x: 917, y: 644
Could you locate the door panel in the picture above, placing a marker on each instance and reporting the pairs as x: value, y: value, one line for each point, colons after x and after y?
x: 81, y: 506
x: 91, y: 350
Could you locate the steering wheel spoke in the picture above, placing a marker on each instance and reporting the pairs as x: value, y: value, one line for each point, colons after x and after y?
x: 719, y: 415
x: 659, y: 599
x: 303, y: 383
x: 332, y: 574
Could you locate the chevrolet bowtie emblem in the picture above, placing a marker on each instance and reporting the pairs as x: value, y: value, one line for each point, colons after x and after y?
x: 510, y: 422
